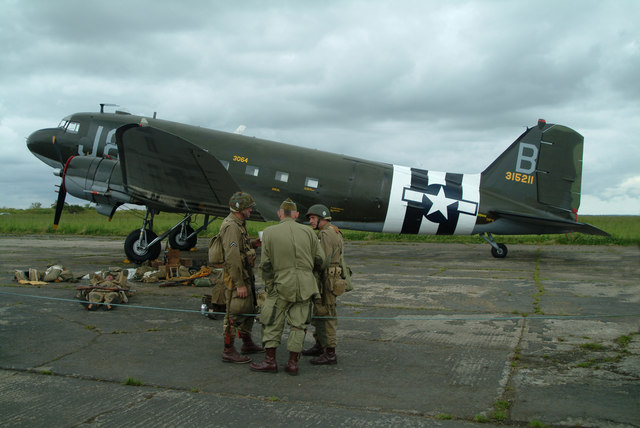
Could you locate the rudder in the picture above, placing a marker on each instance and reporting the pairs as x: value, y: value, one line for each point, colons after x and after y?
x: 540, y: 173
x: 559, y: 172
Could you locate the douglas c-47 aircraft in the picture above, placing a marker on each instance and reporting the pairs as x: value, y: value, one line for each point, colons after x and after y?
x: 118, y: 158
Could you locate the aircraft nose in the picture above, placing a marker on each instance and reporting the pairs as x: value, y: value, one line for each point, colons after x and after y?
x: 35, y: 141
x: 41, y: 144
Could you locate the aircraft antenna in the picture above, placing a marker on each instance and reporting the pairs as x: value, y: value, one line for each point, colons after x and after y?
x: 102, y: 106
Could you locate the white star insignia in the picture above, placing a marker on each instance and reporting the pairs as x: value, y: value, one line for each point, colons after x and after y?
x: 440, y: 203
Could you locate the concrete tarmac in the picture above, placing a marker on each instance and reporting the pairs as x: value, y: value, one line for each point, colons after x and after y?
x: 433, y: 335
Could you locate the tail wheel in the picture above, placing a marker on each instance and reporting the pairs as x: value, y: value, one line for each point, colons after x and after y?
x: 178, y: 238
x: 137, y: 249
x: 500, y: 252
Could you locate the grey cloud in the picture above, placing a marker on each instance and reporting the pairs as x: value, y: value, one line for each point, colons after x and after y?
x: 448, y: 84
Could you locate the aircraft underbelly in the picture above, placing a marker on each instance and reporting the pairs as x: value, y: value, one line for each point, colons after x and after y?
x: 432, y: 202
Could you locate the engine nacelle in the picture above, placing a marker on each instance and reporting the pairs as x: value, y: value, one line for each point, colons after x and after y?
x: 97, y: 180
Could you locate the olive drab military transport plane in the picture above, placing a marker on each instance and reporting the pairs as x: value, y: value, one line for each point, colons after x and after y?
x: 118, y: 158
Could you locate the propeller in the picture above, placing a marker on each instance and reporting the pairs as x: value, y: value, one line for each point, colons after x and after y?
x: 62, y: 191
x: 62, y: 194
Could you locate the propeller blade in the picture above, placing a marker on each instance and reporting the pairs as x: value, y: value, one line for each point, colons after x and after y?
x: 62, y: 194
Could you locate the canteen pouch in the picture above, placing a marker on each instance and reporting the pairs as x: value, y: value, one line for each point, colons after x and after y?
x: 336, y: 283
x: 346, y: 274
x: 339, y: 287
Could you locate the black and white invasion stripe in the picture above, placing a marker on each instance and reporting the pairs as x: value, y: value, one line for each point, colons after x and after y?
x: 432, y: 202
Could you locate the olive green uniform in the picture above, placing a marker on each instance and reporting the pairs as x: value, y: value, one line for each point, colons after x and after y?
x: 290, y: 255
x: 330, y: 284
x: 239, y: 259
x: 98, y: 293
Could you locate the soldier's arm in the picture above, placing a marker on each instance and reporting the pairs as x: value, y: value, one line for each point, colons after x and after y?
x: 231, y: 242
x: 318, y: 255
x: 266, y: 268
x: 255, y: 242
x: 325, y: 244
x: 267, y: 275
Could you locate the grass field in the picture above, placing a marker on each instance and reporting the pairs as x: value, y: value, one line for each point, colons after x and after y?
x: 76, y: 220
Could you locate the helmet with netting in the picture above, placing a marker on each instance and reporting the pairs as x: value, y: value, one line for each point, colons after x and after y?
x: 240, y: 201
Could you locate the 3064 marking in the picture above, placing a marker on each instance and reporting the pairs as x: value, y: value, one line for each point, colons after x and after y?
x: 237, y: 158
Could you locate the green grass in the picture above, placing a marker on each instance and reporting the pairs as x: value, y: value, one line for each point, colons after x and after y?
x: 77, y: 220
x: 624, y: 340
x: 481, y: 419
x: 538, y: 424
x: 592, y: 346
x: 130, y: 381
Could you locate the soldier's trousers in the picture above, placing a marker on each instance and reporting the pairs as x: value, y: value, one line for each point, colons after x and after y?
x: 275, y: 312
x: 326, y: 325
x: 97, y: 296
x: 239, y: 307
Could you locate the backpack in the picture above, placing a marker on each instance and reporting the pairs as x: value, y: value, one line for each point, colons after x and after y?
x: 216, y: 253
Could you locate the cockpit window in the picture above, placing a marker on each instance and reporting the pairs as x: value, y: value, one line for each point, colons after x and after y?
x: 69, y: 126
x: 73, y: 127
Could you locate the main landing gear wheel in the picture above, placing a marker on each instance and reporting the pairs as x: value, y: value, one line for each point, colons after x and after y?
x: 137, y: 249
x: 500, y: 252
x: 179, y: 238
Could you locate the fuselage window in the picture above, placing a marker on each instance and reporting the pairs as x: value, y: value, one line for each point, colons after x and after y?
x: 282, y: 176
x: 252, y: 170
x: 225, y: 164
x: 311, y: 182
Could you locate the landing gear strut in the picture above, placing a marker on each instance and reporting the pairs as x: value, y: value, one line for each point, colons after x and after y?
x: 183, y: 238
x: 143, y: 244
x: 498, y: 250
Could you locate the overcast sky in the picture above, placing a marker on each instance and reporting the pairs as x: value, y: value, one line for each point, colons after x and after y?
x: 437, y: 85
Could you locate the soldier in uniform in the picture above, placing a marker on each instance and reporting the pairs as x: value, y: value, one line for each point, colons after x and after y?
x: 239, y: 259
x: 107, y: 288
x: 290, y: 256
x: 331, y: 285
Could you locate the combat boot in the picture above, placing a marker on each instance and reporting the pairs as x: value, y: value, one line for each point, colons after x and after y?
x: 328, y: 357
x: 230, y: 355
x: 292, y: 364
x: 248, y: 346
x: 314, y: 351
x: 269, y: 365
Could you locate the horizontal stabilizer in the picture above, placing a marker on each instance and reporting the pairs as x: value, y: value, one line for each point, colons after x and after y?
x: 558, y: 225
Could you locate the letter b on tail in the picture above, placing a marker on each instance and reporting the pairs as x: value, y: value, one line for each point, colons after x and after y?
x: 527, y: 158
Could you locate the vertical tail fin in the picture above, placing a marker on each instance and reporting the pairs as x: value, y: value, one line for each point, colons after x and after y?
x: 539, y: 174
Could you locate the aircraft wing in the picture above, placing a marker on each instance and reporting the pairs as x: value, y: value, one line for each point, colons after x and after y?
x: 560, y: 226
x: 171, y: 174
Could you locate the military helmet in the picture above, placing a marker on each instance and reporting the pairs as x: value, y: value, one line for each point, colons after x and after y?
x: 319, y: 210
x: 240, y: 201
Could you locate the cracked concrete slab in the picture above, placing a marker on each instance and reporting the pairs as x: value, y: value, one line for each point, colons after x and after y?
x: 434, y: 334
